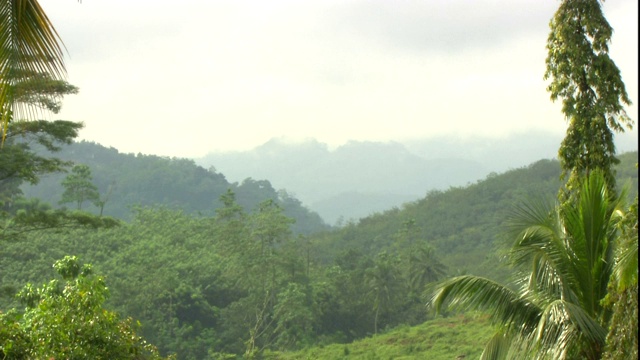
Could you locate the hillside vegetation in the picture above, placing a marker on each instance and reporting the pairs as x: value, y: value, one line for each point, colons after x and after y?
x: 463, y: 224
x: 129, y: 180
x: 359, y: 178
x: 241, y: 282
x: 456, y: 337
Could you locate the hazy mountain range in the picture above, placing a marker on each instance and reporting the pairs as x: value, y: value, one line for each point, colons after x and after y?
x: 360, y: 178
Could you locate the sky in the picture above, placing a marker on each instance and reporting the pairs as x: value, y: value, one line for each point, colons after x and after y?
x: 185, y: 78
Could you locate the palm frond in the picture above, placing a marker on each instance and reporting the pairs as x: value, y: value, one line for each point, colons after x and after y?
x: 497, y: 347
x: 540, y: 246
x: 626, y: 268
x: 562, y: 329
x: 591, y: 231
x: 625, y: 271
x: 28, y: 44
x: 504, y: 305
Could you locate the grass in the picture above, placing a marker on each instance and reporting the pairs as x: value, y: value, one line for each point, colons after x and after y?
x: 456, y: 337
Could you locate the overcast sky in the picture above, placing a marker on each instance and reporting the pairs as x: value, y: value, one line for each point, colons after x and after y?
x: 184, y: 78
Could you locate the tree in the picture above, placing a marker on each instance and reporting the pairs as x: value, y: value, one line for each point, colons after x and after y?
x: 78, y: 187
x: 102, y: 200
x: 589, y: 83
x: 20, y: 163
x: 568, y: 252
x: 31, y: 71
x: 622, y: 340
x: 66, y: 320
x: 30, y: 53
x: 382, y: 281
x: 427, y: 268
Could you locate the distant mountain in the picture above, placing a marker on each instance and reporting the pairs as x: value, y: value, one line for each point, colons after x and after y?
x: 352, y: 181
x: 150, y: 180
x: 361, y: 178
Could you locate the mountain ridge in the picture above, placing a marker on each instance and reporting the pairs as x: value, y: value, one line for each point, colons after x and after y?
x: 363, y: 177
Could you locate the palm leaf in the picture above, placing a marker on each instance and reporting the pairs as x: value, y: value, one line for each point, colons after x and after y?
x: 498, y: 347
x: 563, y: 327
x: 591, y: 228
x: 503, y: 304
x: 541, y: 248
x: 29, y: 44
x: 626, y: 268
x: 569, y: 255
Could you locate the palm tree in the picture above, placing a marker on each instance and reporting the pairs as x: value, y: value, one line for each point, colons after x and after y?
x: 381, y: 279
x: 30, y: 48
x: 426, y: 268
x: 557, y: 312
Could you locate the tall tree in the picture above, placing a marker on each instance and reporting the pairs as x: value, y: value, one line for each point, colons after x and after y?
x: 427, y: 268
x: 30, y: 52
x: 78, y: 187
x: 569, y: 254
x: 382, y: 282
x: 589, y: 83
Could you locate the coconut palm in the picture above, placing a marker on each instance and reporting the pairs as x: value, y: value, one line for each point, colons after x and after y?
x: 30, y: 48
x: 557, y: 313
x: 426, y: 267
x: 381, y: 280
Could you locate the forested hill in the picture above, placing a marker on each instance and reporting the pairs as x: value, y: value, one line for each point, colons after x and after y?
x: 128, y: 180
x: 359, y: 178
x: 462, y: 224
x: 196, y: 283
x: 352, y: 181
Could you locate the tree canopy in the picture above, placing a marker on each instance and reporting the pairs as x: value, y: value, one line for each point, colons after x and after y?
x: 590, y: 86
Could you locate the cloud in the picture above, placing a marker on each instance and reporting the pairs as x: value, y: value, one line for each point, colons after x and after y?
x: 184, y: 78
x: 443, y: 26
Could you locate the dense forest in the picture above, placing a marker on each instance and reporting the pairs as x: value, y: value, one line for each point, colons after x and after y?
x: 128, y: 180
x: 240, y: 279
x: 158, y: 258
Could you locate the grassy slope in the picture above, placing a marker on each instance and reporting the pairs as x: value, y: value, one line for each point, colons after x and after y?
x: 462, y: 336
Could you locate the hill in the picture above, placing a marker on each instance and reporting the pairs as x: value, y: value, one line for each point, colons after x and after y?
x: 456, y: 337
x: 196, y: 283
x: 360, y: 178
x: 352, y: 181
x: 131, y: 180
x: 463, y: 224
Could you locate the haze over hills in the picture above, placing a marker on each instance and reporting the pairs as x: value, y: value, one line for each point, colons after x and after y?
x: 129, y: 181
x: 351, y: 181
x: 362, y: 177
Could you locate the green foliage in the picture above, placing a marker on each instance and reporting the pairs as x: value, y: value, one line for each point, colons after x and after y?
x: 67, y: 320
x: 29, y: 46
x: 197, y: 283
x: 147, y: 180
x: 460, y: 337
x: 590, y: 86
x: 462, y: 224
x: 20, y: 162
x: 622, y: 340
x: 383, y: 284
x: 41, y: 90
x: 78, y: 187
x: 567, y: 258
